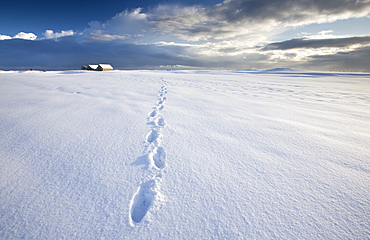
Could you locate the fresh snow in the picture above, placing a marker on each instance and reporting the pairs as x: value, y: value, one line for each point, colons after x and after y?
x: 280, y: 154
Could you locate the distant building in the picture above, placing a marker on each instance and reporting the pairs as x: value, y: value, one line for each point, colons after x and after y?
x: 104, y: 67
x: 100, y: 67
x: 92, y: 67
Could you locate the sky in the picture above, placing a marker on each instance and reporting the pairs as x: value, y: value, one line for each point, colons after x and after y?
x: 162, y: 34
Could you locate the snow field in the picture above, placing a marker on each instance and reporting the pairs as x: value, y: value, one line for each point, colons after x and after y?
x: 184, y: 155
x: 273, y: 157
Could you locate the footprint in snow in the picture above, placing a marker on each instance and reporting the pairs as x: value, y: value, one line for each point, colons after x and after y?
x: 158, y: 156
x: 153, y: 113
x: 152, y: 136
x: 142, y: 200
x: 160, y: 122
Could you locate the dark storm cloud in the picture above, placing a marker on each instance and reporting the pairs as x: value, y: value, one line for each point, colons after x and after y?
x: 356, y: 60
x: 291, y: 11
x: 68, y: 53
x: 237, y: 17
x: 317, y: 43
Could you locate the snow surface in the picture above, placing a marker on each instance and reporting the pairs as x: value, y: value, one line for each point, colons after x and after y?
x: 280, y: 154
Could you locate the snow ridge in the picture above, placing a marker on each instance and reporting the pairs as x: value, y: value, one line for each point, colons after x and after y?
x: 149, y: 190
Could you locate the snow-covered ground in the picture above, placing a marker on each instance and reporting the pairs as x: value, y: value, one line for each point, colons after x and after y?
x: 278, y: 154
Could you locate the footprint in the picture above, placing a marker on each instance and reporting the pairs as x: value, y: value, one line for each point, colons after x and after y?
x: 152, y: 136
x: 161, y: 122
x: 153, y: 114
x: 159, y: 157
x: 142, y: 200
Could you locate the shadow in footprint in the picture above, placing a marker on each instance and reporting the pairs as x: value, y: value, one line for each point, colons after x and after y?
x: 152, y: 123
x: 152, y: 136
x: 161, y: 122
x: 159, y: 158
x: 142, y: 200
x: 153, y: 114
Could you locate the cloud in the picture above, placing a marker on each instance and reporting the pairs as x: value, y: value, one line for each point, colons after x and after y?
x: 355, y: 60
x: 290, y: 12
x: 304, y: 51
x: 125, y: 26
x: 21, y: 35
x: 244, y: 24
x: 318, y: 43
x: 236, y: 18
x: 69, y: 53
x: 326, y: 34
x: 103, y: 36
x: 5, y: 37
x: 49, y: 34
x: 27, y: 36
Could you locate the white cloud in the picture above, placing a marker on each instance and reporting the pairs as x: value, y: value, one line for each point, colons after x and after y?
x: 252, y: 22
x: 27, y: 36
x: 232, y: 28
x: 326, y: 34
x: 5, y: 37
x: 125, y: 26
x: 49, y: 34
x: 243, y: 18
x: 103, y: 36
x: 20, y: 35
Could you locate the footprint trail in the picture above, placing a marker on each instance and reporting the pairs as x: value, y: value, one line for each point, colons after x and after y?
x: 149, y: 190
